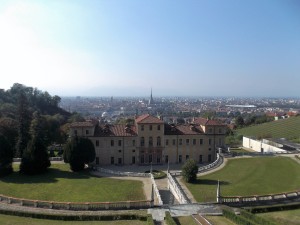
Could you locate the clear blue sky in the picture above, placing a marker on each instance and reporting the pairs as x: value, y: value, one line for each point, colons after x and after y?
x: 125, y: 47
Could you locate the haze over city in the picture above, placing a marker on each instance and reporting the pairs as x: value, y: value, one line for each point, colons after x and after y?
x: 123, y: 48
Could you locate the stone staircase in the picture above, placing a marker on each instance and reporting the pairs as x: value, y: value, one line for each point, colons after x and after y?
x: 166, y: 196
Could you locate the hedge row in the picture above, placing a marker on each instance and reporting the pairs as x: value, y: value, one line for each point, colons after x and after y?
x: 256, y: 219
x: 237, y: 219
x: 169, y: 220
x: 108, y: 217
x: 150, y: 220
x: 274, y: 208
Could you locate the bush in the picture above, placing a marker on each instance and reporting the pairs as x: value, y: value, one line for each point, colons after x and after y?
x: 256, y: 219
x: 190, y: 170
x: 236, y: 219
x: 65, y: 217
x: 169, y: 220
x: 157, y: 174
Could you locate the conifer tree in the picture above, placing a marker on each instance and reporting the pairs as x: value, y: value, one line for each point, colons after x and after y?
x: 6, y: 156
x: 35, y: 158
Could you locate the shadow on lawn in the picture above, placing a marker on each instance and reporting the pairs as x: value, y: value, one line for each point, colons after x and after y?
x: 210, y: 182
x: 51, y: 176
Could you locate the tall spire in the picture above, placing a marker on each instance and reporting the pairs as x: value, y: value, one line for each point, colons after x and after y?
x: 151, y: 101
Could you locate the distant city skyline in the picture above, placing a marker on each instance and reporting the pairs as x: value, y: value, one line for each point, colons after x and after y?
x: 179, y: 48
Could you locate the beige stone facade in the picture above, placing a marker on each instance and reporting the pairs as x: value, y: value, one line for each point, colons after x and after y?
x: 150, y: 140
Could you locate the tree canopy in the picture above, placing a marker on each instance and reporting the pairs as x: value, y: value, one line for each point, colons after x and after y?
x: 190, y: 170
x: 79, y: 151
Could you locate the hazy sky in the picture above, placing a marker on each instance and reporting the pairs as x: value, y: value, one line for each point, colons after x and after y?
x: 125, y: 47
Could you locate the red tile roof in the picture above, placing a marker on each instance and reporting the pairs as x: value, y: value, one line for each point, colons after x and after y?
x: 148, y: 119
x: 182, y: 130
x: 207, y: 122
x: 118, y: 130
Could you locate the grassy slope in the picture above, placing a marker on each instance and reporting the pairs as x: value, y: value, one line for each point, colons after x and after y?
x: 287, y: 128
x: 219, y: 220
x: 60, y: 184
x: 249, y: 176
x: 185, y: 220
x: 291, y: 217
x: 15, y: 220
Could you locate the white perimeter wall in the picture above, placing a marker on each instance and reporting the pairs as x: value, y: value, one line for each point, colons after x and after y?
x: 257, y: 145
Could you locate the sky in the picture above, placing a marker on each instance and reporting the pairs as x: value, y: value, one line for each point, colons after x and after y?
x: 177, y: 48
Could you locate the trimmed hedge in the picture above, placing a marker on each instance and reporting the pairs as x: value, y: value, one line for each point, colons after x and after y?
x: 237, y: 219
x: 256, y: 219
x: 169, y: 220
x: 274, y: 208
x: 109, y: 217
x: 150, y: 220
x: 157, y: 174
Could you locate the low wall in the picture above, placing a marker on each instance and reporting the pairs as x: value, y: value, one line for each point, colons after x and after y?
x: 176, y: 190
x: 260, y: 146
x: 77, y: 206
x: 259, y: 198
x: 120, y: 173
x: 156, y: 191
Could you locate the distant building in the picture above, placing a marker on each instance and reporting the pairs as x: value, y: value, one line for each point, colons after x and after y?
x: 151, y: 101
x: 150, y: 140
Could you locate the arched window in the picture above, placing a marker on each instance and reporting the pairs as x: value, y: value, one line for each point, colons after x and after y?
x: 142, y: 141
x: 150, y: 141
x: 158, y: 143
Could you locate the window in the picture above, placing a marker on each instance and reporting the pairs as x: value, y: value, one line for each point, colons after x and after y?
x: 201, y: 141
x: 150, y: 141
x: 97, y: 160
x: 112, y: 143
x: 187, y: 141
x: 209, y: 141
x: 142, y: 141
x: 150, y: 158
x: 75, y: 132
x: 133, y: 160
x: 97, y: 143
x: 194, y: 141
x: 210, y: 130
x: 119, y: 160
x: 120, y: 151
x: 209, y: 158
x: 150, y: 127
x: 209, y: 149
x: 166, y: 158
x: 86, y: 132
x: 180, y: 158
x: 220, y: 141
x: 174, y: 142
x: 133, y: 150
x: 112, y: 160
x: 158, y: 143
x: 220, y: 131
x: 142, y: 127
x: 180, y: 141
x: 158, y: 127
x: 200, y: 159
x: 167, y: 141
x: 158, y: 159
x: 120, y: 142
x: 142, y: 159
x: 187, y: 157
x: 133, y: 142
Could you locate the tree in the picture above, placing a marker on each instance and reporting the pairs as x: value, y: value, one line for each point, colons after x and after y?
x: 190, y: 170
x: 239, y: 121
x: 6, y: 156
x: 78, y: 152
x: 24, y: 118
x: 35, y: 159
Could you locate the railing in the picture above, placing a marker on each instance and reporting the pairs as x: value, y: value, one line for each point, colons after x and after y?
x: 160, y: 202
x: 260, y: 198
x: 176, y: 190
x: 76, y: 206
x: 50, y: 158
x: 212, y: 165
x: 120, y: 173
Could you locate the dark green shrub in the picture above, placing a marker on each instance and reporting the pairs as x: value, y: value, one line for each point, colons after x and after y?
x: 237, y: 219
x: 190, y: 170
x: 169, y: 220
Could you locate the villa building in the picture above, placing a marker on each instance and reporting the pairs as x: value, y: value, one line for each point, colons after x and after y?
x: 150, y: 140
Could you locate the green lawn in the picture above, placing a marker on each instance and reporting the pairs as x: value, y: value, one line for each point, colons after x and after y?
x: 219, y: 220
x: 60, y: 184
x: 185, y: 220
x: 291, y: 217
x: 249, y: 176
x: 287, y: 128
x: 16, y: 220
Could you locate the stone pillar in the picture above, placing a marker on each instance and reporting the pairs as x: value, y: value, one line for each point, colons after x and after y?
x: 152, y: 196
x: 219, y: 199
